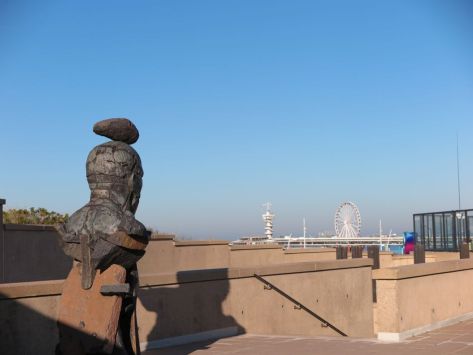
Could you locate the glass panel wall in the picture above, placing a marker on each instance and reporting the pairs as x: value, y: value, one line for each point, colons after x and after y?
x: 443, y: 230
x: 469, y: 223
x: 461, y: 225
x: 449, y: 230
x: 428, y: 231
x: 439, y: 235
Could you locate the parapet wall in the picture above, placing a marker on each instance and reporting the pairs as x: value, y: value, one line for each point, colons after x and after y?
x: 26, y: 252
x: 31, y: 253
x: 413, y: 299
x: 192, y: 289
x: 184, y: 305
x: 167, y: 255
x: 388, y: 259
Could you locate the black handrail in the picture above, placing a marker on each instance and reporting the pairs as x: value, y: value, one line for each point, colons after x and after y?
x: 297, y: 304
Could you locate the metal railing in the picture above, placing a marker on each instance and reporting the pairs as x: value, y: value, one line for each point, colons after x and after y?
x: 297, y: 305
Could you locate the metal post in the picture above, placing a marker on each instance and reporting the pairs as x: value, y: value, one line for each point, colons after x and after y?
x: 373, y: 253
x: 454, y: 231
x: 2, y: 243
x: 2, y: 202
x: 419, y: 254
x: 444, y: 233
x: 467, y: 228
x: 464, y: 251
x: 356, y: 251
x: 434, y: 232
x: 422, y: 229
x: 342, y: 252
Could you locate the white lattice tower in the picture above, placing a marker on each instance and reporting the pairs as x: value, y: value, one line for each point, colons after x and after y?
x: 268, y: 221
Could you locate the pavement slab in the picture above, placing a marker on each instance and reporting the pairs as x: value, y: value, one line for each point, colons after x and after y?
x: 456, y: 339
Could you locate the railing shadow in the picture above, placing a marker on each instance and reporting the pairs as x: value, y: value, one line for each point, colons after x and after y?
x: 190, y: 312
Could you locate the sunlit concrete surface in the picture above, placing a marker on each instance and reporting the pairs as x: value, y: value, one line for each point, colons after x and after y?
x: 456, y: 339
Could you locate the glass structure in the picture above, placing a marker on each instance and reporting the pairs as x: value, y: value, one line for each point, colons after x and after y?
x: 443, y: 231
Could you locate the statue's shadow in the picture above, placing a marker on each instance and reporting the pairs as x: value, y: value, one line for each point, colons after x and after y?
x: 191, y: 311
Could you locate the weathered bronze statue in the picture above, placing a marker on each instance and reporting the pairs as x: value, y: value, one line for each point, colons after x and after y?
x: 97, y: 310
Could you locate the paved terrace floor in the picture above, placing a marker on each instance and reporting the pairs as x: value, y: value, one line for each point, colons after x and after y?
x: 456, y: 339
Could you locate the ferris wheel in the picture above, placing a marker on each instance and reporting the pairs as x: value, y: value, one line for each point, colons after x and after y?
x: 347, y: 220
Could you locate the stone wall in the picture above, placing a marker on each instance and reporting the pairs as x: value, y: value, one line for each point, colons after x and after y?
x: 31, y: 253
x: 185, y: 305
x: 2, y: 242
x: 28, y: 313
x: 167, y: 255
x: 413, y: 299
x: 27, y: 252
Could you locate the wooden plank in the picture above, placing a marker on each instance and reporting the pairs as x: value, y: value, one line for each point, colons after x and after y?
x: 87, y: 319
x: 88, y: 272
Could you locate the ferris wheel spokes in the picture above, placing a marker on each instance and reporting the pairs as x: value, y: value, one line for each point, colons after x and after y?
x: 347, y: 220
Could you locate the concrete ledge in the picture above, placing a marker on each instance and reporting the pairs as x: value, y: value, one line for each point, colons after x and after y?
x: 245, y: 272
x: 191, y: 243
x: 418, y: 270
x: 398, y: 337
x: 401, y: 257
x: 343, y: 264
x: 221, y: 274
x: 162, y: 237
x: 255, y: 247
x: 386, y: 253
x: 191, y: 338
x: 184, y: 277
x: 28, y: 227
x: 54, y: 287
x: 365, y: 254
x: 309, y: 250
x: 30, y: 289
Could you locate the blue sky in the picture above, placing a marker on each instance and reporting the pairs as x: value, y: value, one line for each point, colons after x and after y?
x: 302, y: 103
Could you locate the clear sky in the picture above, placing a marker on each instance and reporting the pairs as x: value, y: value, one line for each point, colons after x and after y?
x: 305, y: 104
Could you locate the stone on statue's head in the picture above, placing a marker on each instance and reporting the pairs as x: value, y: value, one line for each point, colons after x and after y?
x: 117, y: 129
x: 114, y: 172
x: 104, y: 231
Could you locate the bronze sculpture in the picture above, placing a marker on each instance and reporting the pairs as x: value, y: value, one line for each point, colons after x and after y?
x: 105, y: 239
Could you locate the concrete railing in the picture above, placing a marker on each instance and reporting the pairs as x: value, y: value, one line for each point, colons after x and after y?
x: 31, y: 253
x: 416, y: 298
x: 388, y: 259
x: 256, y: 255
x: 168, y: 255
x: 203, y: 304
x: 24, y: 249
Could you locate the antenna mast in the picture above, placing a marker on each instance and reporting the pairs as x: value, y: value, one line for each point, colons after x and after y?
x: 458, y: 176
